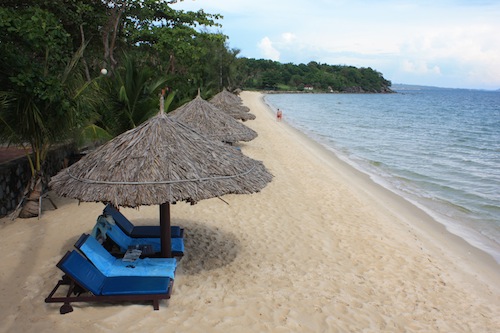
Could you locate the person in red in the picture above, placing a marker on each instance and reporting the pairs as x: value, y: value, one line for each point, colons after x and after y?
x: 279, y: 115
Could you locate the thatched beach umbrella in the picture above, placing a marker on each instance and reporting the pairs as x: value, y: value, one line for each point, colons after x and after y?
x: 225, y: 102
x: 162, y: 161
x: 227, y: 98
x: 213, y: 123
x: 231, y: 98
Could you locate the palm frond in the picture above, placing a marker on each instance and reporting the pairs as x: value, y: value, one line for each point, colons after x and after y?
x: 94, y: 134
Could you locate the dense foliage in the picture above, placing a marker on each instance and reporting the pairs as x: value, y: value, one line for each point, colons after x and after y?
x: 272, y: 75
x: 52, y: 54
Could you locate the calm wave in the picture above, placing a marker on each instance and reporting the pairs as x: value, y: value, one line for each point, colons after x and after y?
x: 439, y: 149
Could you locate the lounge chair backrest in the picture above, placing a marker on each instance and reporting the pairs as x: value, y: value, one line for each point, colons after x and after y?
x: 96, y: 253
x: 119, y: 218
x: 118, y: 236
x: 82, y: 271
x: 122, y: 240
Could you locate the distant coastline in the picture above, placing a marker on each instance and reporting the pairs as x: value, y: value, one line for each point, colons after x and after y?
x: 394, y: 88
x: 319, y: 92
x: 415, y: 87
x: 355, y: 90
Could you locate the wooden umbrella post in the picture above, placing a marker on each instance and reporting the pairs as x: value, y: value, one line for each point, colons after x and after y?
x: 165, y: 233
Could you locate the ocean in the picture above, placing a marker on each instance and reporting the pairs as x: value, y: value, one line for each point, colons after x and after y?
x: 438, y: 148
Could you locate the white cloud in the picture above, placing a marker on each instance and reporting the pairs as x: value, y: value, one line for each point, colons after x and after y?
x: 468, y: 56
x: 288, y: 37
x: 420, y: 67
x: 267, y: 49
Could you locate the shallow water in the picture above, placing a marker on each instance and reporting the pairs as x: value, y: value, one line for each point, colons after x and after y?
x: 438, y: 148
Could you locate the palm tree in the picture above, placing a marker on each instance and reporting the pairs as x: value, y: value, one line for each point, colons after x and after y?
x: 128, y: 96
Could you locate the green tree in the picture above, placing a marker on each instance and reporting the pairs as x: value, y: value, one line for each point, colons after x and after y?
x: 51, y: 52
x: 266, y: 74
x: 188, y: 56
x: 39, y: 88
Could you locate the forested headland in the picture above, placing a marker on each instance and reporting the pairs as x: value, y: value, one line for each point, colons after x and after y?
x: 313, y: 77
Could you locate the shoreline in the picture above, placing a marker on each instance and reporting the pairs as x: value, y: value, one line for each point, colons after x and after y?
x: 457, y: 223
x: 435, y: 187
x: 320, y: 249
x: 472, y: 257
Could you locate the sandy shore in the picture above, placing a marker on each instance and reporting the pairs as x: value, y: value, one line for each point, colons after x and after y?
x: 320, y: 249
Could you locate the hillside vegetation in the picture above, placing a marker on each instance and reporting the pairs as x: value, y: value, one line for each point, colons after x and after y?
x: 313, y: 77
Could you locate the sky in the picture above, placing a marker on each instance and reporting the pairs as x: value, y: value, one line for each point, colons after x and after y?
x: 442, y: 43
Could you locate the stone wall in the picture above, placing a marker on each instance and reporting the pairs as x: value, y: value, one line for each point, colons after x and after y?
x: 15, y: 175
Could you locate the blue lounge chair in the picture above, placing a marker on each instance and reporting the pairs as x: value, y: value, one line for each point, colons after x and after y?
x: 148, y: 231
x: 88, y: 284
x: 105, y: 227
x: 111, y: 266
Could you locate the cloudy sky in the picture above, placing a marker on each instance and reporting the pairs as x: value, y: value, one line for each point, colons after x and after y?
x: 445, y: 43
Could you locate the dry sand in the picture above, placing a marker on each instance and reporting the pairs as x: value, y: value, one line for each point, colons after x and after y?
x: 320, y: 249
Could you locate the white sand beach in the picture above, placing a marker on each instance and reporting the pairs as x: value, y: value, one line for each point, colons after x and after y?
x: 320, y: 249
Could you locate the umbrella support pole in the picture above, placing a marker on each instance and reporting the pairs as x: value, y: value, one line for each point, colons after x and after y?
x: 165, y: 236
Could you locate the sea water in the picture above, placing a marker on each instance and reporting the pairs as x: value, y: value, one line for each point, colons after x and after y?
x: 438, y: 148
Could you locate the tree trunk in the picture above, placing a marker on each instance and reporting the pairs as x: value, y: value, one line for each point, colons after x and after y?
x: 85, y: 65
x: 31, y: 205
x: 110, y: 33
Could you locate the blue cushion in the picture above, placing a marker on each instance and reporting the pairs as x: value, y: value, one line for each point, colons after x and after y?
x: 137, y: 231
x: 120, y: 238
x: 95, y: 252
x: 175, y: 231
x: 133, y: 285
x: 178, y: 245
x: 111, y: 266
x: 89, y: 277
x: 119, y: 218
x: 82, y: 271
x: 124, y: 241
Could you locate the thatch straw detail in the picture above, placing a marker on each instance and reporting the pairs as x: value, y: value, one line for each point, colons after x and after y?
x: 230, y: 98
x: 213, y: 123
x: 231, y: 104
x: 160, y: 161
x: 88, y: 181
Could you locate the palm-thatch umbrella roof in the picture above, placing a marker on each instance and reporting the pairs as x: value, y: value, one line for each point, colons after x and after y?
x: 161, y: 161
x: 226, y: 102
x: 213, y: 123
x: 230, y: 98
